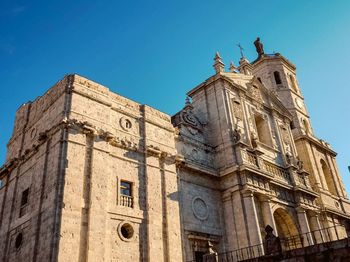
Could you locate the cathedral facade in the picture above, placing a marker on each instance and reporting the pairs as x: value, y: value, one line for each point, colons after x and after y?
x: 93, y: 176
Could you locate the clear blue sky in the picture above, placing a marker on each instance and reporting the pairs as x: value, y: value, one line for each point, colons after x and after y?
x: 155, y: 51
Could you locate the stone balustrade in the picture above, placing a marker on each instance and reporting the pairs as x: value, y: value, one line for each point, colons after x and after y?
x: 275, y: 171
x: 126, y: 201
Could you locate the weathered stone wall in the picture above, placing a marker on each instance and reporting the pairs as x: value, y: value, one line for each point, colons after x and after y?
x: 208, y: 179
x: 114, y: 139
x: 33, y: 163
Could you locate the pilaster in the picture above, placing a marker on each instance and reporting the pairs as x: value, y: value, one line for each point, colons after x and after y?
x: 266, y: 206
x: 304, y: 226
x: 251, y: 218
x: 315, y: 227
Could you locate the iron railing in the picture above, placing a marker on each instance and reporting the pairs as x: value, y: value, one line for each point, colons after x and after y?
x: 314, y: 237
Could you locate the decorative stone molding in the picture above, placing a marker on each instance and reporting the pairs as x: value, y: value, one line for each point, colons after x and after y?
x: 125, y: 123
x: 153, y: 151
x: 126, y: 231
x: 200, y: 208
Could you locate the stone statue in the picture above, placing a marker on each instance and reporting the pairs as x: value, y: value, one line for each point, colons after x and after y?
x: 300, y: 164
x: 259, y: 47
x: 288, y: 158
x: 236, y: 135
x: 212, y: 254
x: 254, y: 139
x: 272, y: 243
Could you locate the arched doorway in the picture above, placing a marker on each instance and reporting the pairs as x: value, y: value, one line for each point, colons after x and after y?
x: 285, y: 225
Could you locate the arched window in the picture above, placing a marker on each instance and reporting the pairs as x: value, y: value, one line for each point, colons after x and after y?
x: 328, y: 177
x: 292, y: 126
x: 263, y: 130
x: 306, y: 126
x: 277, y: 76
x: 293, y: 84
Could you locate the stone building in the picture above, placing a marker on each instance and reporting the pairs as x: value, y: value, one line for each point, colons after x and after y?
x: 93, y: 176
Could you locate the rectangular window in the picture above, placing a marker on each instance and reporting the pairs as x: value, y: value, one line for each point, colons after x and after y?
x: 126, y: 198
x: 24, y: 202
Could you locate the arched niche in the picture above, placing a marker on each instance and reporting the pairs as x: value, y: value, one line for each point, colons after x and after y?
x: 263, y: 130
x: 277, y: 77
x: 328, y: 177
x: 306, y: 126
x: 285, y: 223
x: 293, y: 83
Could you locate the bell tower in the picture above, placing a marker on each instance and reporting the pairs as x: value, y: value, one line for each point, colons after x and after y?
x: 279, y: 75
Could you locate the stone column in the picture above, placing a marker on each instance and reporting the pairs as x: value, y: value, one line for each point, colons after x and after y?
x: 267, y: 213
x: 315, y: 227
x: 251, y: 218
x: 304, y: 227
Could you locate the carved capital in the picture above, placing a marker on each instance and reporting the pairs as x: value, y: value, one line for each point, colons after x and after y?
x: 247, y: 192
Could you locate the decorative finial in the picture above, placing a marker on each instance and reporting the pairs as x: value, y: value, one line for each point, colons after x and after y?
x: 244, y: 66
x: 188, y: 104
x: 218, y: 64
x: 233, y: 68
x: 241, y: 50
x: 217, y: 56
x: 259, y: 47
x: 187, y: 101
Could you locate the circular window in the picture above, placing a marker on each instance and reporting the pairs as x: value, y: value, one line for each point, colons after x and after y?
x: 125, y: 123
x: 128, y: 124
x: 126, y: 231
x: 19, y: 240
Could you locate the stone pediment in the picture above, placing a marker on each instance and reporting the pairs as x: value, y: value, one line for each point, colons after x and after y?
x: 257, y: 91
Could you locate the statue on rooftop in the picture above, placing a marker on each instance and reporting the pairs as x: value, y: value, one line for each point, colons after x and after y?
x: 259, y: 47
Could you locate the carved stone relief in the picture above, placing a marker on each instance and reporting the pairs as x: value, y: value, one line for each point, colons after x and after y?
x: 237, y: 108
x: 282, y: 194
x: 200, y: 208
x: 286, y: 138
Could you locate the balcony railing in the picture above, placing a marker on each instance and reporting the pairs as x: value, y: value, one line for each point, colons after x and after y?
x: 250, y: 158
x: 273, y: 170
x: 126, y: 201
x: 276, y: 171
x: 320, y: 236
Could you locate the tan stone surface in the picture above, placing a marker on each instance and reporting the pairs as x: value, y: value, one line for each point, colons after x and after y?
x: 217, y: 172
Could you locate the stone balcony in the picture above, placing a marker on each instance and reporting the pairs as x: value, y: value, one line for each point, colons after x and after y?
x: 126, y: 201
x: 265, y: 173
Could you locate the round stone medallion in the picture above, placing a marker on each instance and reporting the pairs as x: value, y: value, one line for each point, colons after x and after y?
x: 200, y: 208
x: 125, y: 123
